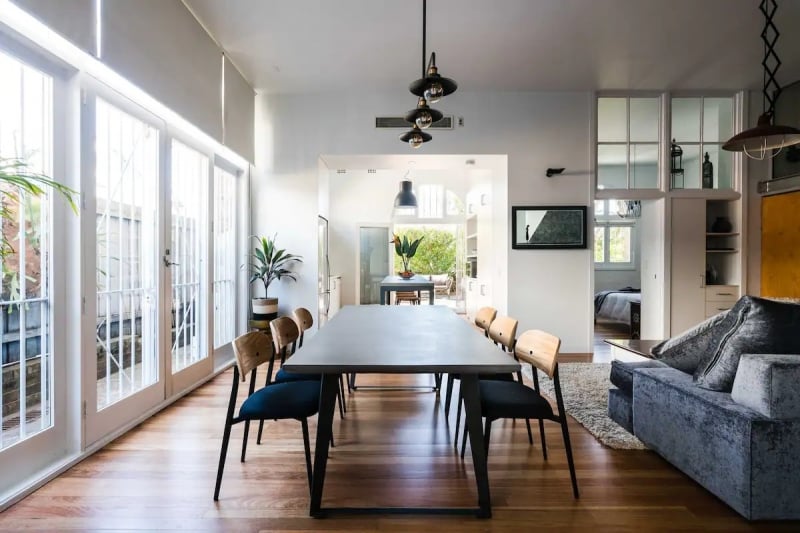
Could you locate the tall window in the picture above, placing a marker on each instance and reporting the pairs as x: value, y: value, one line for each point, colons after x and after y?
x: 628, y: 133
x: 430, y: 201
x: 26, y: 133
x: 224, y: 257
x: 614, y: 239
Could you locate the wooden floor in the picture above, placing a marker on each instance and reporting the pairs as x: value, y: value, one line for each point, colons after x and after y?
x: 393, y: 448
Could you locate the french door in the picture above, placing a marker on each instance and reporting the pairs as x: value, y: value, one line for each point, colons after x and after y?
x: 145, y: 329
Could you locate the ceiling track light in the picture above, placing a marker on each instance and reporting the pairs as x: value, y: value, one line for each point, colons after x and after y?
x: 757, y: 142
x: 430, y: 89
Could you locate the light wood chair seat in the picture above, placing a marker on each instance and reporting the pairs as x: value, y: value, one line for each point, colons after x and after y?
x: 406, y: 296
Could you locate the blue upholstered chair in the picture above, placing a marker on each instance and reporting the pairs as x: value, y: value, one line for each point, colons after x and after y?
x: 297, y: 400
x: 514, y: 399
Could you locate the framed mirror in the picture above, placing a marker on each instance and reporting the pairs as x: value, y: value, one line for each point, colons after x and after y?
x: 548, y: 227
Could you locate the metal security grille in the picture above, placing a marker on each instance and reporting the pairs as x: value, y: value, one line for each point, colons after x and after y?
x: 126, y: 189
x: 224, y: 257
x: 26, y: 122
x: 189, y: 180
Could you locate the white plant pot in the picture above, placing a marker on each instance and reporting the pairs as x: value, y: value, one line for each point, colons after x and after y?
x: 264, y: 308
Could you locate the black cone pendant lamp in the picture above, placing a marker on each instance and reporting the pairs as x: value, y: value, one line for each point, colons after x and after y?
x: 430, y: 89
x: 757, y: 142
x: 405, y: 203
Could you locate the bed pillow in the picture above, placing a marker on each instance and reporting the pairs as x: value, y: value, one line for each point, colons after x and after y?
x: 686, y: 351
x: 761, y: 327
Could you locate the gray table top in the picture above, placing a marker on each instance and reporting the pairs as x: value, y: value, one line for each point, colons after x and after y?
x: 399, y: 282
x: 410, y: 339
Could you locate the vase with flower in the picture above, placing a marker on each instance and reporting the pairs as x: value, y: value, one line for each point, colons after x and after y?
x: 406, y: 250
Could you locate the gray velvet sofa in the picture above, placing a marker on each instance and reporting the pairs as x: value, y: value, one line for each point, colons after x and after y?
x: 742, y: 444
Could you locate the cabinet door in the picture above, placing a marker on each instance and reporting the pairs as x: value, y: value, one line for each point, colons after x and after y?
x: 485, y: 252
x: 336, y: 296
x: 688, y: 247
x: 470, y: 297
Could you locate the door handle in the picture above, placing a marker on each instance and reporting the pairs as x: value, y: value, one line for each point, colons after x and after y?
x: 168, y: 263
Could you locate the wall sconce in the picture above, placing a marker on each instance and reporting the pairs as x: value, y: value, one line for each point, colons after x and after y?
x: 553, y: 172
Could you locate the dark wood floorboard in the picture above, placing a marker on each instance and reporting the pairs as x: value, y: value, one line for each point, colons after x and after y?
x: 393, y: 449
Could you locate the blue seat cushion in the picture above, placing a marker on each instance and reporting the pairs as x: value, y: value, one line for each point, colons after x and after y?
x: 284, y: 377
x: 296, y: 399
x: 511, y: 399
x: 622, y: 373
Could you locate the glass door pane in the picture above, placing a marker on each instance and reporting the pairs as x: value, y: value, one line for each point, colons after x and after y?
x: 189, y: 181
x: 26, y: 119
x: 373, y: 259
x: 224, y: 257
x: 126, y: 189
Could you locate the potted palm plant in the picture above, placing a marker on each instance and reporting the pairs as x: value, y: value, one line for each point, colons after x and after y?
x: 406, y: 250
x: 269, y: 264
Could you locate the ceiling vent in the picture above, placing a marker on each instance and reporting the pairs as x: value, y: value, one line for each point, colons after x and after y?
x: 371, y: 171
x: 341, y: 171
x: 446, y: 123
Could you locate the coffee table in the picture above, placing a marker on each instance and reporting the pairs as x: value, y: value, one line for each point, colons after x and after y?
x: 632, y: 349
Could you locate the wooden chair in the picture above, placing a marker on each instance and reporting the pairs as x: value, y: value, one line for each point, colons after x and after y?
x: 406, y: 296
x: 305, y: 321
x: 501, y: 399
x: 503, y: 332
x: 298, y: 400
x: 483, y: 320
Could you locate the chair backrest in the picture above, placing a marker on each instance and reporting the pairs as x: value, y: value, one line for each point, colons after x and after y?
x: 485, y: 317
x: 303, y: 318
x: 503, y: 330
x: 251, y: 350
x: 284, y: 332
x: 539, y: 349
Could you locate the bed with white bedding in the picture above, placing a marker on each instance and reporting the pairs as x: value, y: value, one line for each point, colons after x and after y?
x: 615, y: 305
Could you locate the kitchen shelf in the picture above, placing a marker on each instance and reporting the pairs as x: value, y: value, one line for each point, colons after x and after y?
x: 731, y: 251
x: 715, y: 234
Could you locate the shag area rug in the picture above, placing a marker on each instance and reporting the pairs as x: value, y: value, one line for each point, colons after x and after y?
x: 584, y: 387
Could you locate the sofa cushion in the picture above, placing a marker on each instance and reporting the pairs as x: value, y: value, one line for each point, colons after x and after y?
x: 760, y: 326
x: 767, y: 384
x: 687, y: 350
x: 622, y: 373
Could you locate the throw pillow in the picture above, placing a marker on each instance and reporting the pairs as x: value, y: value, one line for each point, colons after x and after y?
x: 686, y: 351
x: 761, y: 327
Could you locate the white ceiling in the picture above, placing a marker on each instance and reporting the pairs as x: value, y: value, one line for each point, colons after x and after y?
x: 506, y: 45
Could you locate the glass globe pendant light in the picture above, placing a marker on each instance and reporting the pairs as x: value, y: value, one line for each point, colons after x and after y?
x: 415, y: 137
x: 423, y: 116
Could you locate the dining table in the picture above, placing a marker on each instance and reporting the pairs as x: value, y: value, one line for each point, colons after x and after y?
x: 415, y: 283
x: 379, y: 339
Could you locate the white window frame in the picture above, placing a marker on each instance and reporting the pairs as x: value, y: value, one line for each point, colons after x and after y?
x: 607, y: 221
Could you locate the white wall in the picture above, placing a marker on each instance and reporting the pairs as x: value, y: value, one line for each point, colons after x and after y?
x: 535, y: 130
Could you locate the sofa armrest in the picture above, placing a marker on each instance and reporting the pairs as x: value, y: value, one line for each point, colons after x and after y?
x: 767, y: 384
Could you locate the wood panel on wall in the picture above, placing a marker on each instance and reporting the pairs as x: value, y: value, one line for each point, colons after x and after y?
x: 780, y: 245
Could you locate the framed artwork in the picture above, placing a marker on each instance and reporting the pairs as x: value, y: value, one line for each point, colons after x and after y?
x: 548, y: 227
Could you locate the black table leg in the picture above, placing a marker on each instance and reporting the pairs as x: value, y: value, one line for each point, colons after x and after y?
x: 472, y: 414
x: 383, y: 296
x: 430, y: 296
x: 327, y: 400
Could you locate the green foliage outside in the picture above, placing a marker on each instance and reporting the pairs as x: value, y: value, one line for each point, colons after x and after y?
x: 435, y: 255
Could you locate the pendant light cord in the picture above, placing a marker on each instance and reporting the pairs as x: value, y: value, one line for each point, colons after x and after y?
x: 424, y: 32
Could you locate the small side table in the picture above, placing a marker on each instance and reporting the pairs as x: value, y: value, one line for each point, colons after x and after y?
x: 631, y: 349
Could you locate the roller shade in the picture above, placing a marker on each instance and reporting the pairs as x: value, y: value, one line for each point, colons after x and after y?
x: 73, y: 19
x: 159, y: 46
x: 239, y: 112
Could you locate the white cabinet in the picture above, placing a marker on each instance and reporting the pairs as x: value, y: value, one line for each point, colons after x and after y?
x: 336, y: 295
x: 705, y: 262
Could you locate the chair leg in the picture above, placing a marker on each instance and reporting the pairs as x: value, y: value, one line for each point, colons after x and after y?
x: 530, y: 435
x: 458, y: 420
x: 223, y: 453
x: 341, y: 403
x: 464, y: 441
x: 244, y: 440
x: 260, y: 432
x: 307, y: 446
x: 568, y: 447
x: 332, y: 444
x: 341, y: 391
x: 448, y: 395
x: 541, y: 435
x: 487, y: 430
